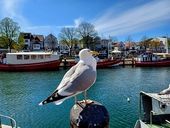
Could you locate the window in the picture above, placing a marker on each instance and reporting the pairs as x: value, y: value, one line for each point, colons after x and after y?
x: 36, y: 46
x: 19, y: 57
x: 26, y: 57
x: 47, y: 56
x: 40, y: 56
x: 33, y: 57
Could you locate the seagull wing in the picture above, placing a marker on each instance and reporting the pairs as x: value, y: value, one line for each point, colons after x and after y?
x: 67, y: 76
x: 74, y: 82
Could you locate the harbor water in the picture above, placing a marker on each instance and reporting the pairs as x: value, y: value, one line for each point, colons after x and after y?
x: 21, y: 92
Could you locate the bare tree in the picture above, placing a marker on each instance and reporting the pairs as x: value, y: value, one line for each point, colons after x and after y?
x: 87, y: 33
x: 114, y: 39
x: 144, y: 42
x: 9, y: 31
x: 129, y: 39
x: 68, y: 36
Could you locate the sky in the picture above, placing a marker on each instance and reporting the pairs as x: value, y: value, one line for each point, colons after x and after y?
x: 111, y: 18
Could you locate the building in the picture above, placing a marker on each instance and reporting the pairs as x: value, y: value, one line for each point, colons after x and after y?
x: 37, y: 42
x: 33, y: 42
x: 163, y: 43
x: 51, y: 42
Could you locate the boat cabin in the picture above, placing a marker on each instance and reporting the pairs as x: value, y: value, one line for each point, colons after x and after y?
x: 154, y: 111
x: 30, y: 57
x: 148, y: 57
x: 163, y: 55
x: 116, y: 54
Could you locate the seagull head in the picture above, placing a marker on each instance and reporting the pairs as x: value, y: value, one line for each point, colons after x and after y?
x: 86, y: 56
x: 85, y: 53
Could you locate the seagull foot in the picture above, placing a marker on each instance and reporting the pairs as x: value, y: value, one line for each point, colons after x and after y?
x: 87, y: 101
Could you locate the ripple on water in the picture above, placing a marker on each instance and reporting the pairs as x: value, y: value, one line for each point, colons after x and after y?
x: 20, y: 94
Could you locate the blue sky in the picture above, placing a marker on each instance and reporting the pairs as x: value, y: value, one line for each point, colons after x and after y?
x: 120, y: 18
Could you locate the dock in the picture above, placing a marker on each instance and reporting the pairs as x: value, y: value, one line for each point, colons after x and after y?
x: 128, y: 62
x: 125, y: 62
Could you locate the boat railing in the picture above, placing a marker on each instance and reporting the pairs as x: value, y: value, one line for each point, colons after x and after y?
x: 7, y: 118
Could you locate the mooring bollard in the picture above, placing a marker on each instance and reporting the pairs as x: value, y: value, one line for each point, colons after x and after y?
x: 133, y: 62
x: 65, y: 63
x: 89, y: 115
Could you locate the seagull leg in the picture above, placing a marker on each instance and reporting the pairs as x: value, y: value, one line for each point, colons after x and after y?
x: 75, y: 99
x: 85, y: 96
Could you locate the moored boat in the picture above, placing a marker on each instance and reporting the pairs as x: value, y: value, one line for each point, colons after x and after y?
x: 108, y: 63
x: 153, y: 60
x: 30, y: 61
x: 154, y: 111
x: 105, y: 63
x: 102, y: 61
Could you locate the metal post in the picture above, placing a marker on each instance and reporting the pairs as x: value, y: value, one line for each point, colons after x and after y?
x: 140, y: 100
x: 0, y: 123
x: 89, y: 115
x: 11, y: 123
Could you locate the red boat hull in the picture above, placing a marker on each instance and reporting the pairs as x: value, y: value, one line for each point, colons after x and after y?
x: 43, y: 66
x: 108, y: 63
x: 163, y: 63
x: 101, y: 64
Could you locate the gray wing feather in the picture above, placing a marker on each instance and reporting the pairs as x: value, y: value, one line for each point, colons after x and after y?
x: 68, y: 74
x: 82, y: 79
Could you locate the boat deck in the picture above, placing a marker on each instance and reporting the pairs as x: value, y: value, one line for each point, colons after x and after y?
x: 158, y: 126
x: 5, y: 126
x: 162, y: 98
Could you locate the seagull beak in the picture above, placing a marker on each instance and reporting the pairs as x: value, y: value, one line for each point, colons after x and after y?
x: 91, y: 52
x: 94, y: 53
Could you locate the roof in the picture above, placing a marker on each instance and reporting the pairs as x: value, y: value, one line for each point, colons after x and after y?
x: 30, y: 53
x: 116, y: 51
x: 162, y: 98
x: 40, y: 37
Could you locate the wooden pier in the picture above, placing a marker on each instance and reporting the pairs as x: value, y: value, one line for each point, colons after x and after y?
x: 128, y: 62
x: 125, y: 62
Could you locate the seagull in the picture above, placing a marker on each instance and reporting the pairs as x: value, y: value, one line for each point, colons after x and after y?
x: 165, y: 91
x: 128, y: 99
x: 76, y: 80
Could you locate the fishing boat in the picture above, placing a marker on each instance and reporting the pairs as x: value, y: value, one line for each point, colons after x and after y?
x: 154, y: 111
x: 7, y: 122
x: 153, y: 60
x: 30, y: 61
x: 104, y: 63
x: 108, y: 63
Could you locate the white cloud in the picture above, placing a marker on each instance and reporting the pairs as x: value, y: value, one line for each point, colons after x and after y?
x: 78, y: 21
x: 12, y: 9
x: 133, y: 20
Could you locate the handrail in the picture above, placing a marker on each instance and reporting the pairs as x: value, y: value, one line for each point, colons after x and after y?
x: 151, y: 114
x: 13, y: 122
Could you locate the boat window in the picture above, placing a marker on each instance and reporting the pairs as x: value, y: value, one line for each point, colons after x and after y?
x: 40, y: 56
x: 26, y: 57
x: 19, y: 57
x: 47, y: 56
x: 33, y: 57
